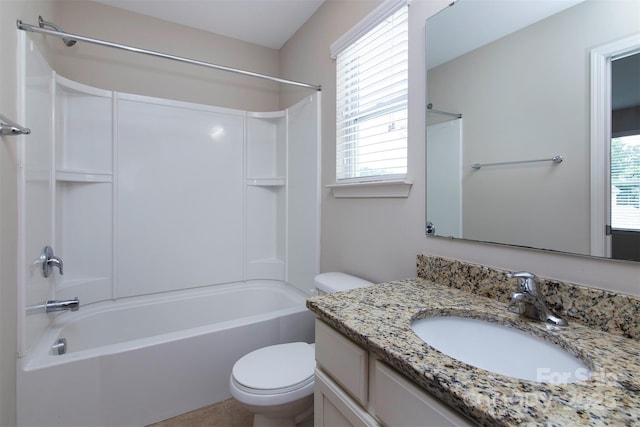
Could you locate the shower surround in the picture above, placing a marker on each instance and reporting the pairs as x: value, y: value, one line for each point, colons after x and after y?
x: 146, y: 198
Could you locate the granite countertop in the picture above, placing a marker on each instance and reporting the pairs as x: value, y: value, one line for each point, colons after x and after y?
x: 379, y: 317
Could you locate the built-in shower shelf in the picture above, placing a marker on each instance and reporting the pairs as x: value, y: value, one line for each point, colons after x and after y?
x: 83, y: 176
x: 266, y: 182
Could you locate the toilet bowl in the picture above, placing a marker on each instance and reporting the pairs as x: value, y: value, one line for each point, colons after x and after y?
x: 276, y: 382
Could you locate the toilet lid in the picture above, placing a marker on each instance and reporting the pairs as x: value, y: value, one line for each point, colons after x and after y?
x: 281, y: 367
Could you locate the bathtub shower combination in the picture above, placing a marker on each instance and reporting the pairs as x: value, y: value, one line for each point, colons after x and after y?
x: 150, y: 358
x: 188, y: 232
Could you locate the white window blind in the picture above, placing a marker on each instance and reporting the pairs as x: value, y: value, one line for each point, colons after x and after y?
x: 625, y: 183
x: 371, y: 93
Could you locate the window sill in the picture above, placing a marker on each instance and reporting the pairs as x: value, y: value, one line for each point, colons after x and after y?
x: 371, y: 189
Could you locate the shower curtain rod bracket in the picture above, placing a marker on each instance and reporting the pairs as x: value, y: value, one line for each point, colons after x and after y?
x: 69, y: 37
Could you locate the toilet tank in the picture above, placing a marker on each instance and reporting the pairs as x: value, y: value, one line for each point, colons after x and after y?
x: 327, y: 283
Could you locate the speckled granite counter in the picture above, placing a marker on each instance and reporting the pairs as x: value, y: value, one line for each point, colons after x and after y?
x: 379, y: 317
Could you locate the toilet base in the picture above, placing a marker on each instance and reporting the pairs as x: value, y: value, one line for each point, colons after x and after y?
x: 294, y: 414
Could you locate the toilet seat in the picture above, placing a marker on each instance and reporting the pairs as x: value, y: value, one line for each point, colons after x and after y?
x: 275, y: 369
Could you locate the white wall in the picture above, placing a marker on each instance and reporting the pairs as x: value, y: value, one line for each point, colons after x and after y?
x: 379, y: 238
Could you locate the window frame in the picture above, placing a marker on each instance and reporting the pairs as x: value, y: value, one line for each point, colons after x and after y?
x: 378, y: 185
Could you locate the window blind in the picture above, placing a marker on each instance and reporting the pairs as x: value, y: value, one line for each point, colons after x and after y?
x: 371, y: 96
x: 625, y: 183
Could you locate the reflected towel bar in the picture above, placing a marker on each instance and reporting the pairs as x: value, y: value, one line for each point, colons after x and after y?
x: 9, y: 127
x: 554, y: 159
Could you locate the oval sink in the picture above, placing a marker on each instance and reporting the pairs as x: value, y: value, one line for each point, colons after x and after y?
x: 500, y: 349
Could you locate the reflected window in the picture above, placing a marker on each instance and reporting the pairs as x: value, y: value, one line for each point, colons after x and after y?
x: 625, y: 183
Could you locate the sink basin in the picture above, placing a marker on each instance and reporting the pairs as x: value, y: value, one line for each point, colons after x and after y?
x: 500, y: 349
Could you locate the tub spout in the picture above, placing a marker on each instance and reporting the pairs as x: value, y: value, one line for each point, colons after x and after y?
x: 71, y: 304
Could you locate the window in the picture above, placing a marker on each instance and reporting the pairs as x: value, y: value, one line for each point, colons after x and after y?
x: 371, y: 93
x: 625, y: 183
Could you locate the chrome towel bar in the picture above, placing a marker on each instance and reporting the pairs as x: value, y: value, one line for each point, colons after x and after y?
x: 554, y: 159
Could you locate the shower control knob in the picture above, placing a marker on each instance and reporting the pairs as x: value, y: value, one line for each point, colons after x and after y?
x: 48, y: 261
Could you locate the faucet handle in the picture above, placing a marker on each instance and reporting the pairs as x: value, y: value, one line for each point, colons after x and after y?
x: 49, y: 261
x: 526, y: 280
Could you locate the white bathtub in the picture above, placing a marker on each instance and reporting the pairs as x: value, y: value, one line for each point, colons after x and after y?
x: 135, y: 362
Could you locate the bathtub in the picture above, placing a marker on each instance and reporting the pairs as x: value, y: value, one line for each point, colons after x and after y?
x: 144, y: 359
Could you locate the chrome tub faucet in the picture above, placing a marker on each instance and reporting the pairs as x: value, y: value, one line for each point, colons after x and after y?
x: 52, y: 306
x: 529, y: 302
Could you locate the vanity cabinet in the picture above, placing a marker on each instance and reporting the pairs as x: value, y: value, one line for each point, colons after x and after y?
x: 354, y: 388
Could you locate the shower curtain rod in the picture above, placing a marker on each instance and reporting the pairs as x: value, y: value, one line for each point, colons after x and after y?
x: 446, y: 113
x: 69, y: 36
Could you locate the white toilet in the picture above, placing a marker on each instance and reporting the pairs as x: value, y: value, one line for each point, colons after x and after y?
x: 276, y: 382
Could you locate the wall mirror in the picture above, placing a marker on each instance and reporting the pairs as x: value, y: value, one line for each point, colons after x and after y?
x: 508, y: 122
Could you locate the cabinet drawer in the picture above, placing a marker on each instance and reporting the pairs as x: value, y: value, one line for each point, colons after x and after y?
x: 344, y: 361
x: 398, y: 402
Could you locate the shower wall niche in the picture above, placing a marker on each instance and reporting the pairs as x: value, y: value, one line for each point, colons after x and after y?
x: 266, y: 195
x: 140, y: 195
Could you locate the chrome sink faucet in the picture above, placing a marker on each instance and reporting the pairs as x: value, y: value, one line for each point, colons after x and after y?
x: 529, y: 302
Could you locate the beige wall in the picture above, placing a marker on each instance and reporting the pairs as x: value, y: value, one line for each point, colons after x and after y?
x: 123, y: 71
x: 379, y: 238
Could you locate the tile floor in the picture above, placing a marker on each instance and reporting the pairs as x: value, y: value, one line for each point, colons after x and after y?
x: 224, y: 414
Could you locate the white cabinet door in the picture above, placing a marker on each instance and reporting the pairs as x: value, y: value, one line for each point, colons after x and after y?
x: 397, y: 402
x: 335, y: 408
x: 344, y: 361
